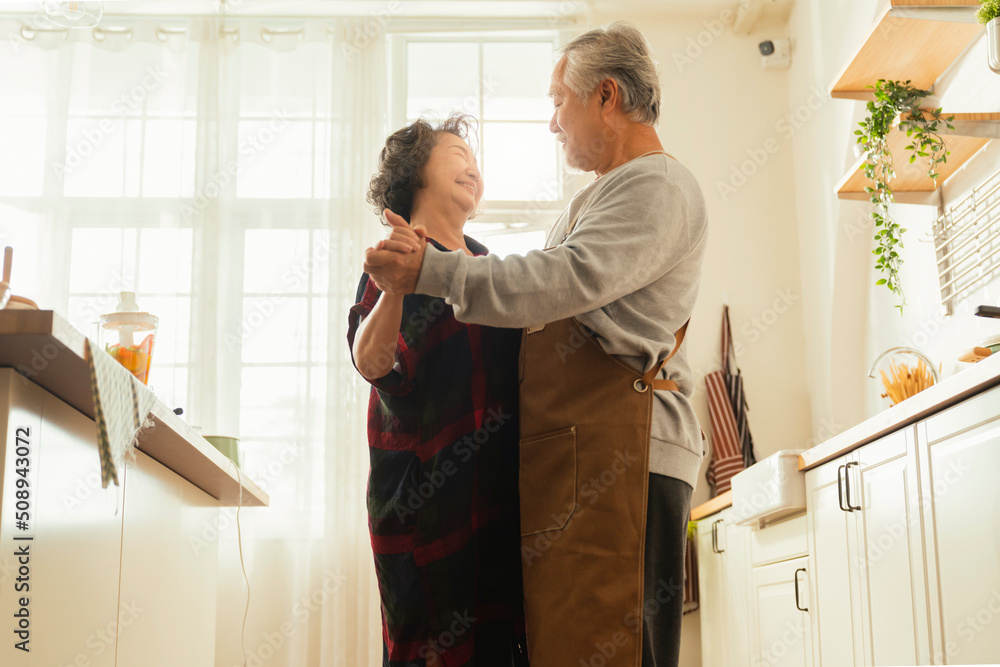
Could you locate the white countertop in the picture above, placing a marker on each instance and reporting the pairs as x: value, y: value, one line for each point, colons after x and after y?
x: 966, y: 383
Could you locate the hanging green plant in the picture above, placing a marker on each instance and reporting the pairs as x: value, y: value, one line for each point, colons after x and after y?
x: 988, y: 10
x: 894, y: 99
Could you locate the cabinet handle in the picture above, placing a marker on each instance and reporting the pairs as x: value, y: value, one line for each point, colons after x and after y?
x: 840, y: 488
x: 797, y: 605
x: 715, y: 536
x: 847, y: 484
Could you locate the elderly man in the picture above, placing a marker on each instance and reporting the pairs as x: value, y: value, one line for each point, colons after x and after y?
x: 610, y: 444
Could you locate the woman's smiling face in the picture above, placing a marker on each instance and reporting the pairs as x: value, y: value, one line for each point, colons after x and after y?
x: 451, y: 175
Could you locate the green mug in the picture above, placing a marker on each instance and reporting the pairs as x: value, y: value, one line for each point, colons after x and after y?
x: 229, y: 446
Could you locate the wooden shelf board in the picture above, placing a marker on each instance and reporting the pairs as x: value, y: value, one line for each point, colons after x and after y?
x: 982, y: 125
x: 966, y: 9
x: 44, y: 348
x: 934, y: 3
x: 716, y: 504
x: 903, y: 48
x: 912, y: 184
x: 929, y: 198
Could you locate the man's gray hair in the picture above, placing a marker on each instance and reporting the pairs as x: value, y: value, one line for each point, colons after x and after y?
x: 618, y: 52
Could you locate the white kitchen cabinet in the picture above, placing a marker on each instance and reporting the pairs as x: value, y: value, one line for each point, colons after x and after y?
x: 865, y: 543
x: 782, y: 635
x: 125, y: 575
x: 737, y: 607
x: 890, y: 551
x: 710, y: 593
x: 959, y: 450
x: 835, y: 578
x: 115, y: 576
x: 900, y: 564
x: 162, y: 514
x: 72, y: 536
x: 723, y: 584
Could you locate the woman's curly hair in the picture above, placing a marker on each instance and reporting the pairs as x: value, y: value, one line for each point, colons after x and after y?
x: 402, y: 160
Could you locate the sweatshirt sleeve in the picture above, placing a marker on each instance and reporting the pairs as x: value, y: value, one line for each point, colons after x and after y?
x: 633, y: 231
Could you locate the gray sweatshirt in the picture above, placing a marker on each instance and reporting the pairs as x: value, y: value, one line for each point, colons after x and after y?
x: 629, y: 271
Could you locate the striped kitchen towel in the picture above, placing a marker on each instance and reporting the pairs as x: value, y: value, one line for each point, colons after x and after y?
x: 121, y: 410
x: 732, y: 444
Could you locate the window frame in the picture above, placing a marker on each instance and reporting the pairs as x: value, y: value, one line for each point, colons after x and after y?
x: 500, y: 217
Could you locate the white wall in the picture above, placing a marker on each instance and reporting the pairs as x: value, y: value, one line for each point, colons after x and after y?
x: 719, y: 110
x: 849, y: 321
x: 835, y: 252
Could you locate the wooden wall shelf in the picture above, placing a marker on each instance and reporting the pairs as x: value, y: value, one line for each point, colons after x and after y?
x: 43, y: 347
x: 912, y: 185
x: 716, y: 504
x: 914, y: 40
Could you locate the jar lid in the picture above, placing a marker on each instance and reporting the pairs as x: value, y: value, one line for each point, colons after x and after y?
x: 137, y: 321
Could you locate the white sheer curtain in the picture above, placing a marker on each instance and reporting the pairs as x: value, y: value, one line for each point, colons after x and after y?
x: 221, y: 175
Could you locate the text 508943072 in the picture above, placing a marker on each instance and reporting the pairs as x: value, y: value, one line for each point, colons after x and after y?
x: 21, y: 488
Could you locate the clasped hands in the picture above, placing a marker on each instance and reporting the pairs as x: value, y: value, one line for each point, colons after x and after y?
x: 394, y: 263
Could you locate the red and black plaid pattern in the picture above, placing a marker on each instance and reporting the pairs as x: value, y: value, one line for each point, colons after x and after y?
x: 442, y: 488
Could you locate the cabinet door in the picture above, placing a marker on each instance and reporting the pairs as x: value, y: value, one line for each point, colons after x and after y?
x: 834, y: 580
x: 711, y: 591
x: 72, y: 539
x: 884, y: 484
x: 959, y: 454
x: 782, y: 636
x: 723, y: 580
x: 168, y: 571
x: 736, y: 595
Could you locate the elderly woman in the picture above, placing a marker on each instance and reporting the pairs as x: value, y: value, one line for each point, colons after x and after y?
x: 442, y: 429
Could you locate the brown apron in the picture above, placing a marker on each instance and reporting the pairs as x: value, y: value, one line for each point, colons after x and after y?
x: 584, y: 476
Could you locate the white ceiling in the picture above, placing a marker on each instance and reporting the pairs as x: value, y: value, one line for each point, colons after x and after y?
x: 292, y: 8
x: 421, y: 8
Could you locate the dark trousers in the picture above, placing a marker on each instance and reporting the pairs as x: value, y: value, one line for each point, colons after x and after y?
x: 669, y: 507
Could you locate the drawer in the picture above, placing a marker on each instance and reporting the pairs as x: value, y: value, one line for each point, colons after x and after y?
x: 779, y: 541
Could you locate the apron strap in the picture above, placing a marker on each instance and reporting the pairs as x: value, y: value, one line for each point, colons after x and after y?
x: 649, y: 379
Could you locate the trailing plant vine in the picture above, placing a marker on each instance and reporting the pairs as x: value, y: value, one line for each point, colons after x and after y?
x: 894, y: 99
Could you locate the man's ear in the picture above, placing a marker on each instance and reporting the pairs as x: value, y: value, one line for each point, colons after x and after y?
x: 609, y: 98
x: 608, y: 90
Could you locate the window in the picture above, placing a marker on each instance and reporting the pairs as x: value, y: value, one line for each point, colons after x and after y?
x: 504, y: 83
x: 100, y: 189
x: 282, y: 342
x: 130, y: 128
x: 283, y: 122
x: 23, y: 125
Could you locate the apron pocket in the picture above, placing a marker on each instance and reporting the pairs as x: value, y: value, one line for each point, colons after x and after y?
x: 548, y: 481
